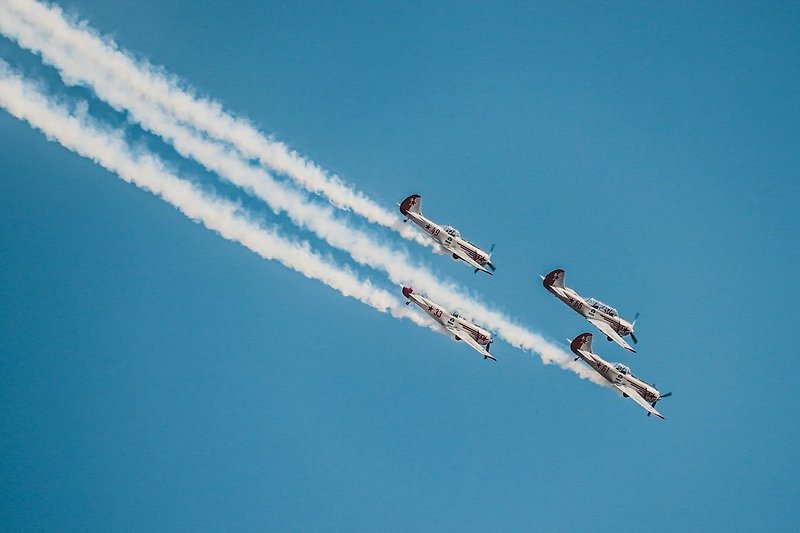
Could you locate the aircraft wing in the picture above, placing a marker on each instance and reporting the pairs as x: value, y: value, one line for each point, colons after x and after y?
x: 464, y: 256
x: 466, y: 337
x: 609, y: 332
x: 633, y: 395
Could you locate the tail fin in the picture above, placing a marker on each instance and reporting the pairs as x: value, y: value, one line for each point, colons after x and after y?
x: 413, y: 204
x: 582, y: 342
x: 554, y: 279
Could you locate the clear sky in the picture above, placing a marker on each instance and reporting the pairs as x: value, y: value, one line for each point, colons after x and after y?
x: 154, y: 376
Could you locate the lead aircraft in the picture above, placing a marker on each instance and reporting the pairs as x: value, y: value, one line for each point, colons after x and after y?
x: 619, y: 375
x: 448, y: 237
x: 601, y: 316
x: 462, y: 329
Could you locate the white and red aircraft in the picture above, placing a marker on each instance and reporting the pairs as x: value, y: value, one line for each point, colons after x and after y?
x: 619, y: 375
x: 478, y: 338
x: 601, y: 316
x: 447, y: 236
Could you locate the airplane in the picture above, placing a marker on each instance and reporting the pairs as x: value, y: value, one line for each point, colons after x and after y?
x: 601, y: 316
x: 619, y: 375
x: 447, y: 237
x: 478, y: 338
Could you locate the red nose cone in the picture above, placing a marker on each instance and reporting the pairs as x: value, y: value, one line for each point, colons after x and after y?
x: 407, y: 291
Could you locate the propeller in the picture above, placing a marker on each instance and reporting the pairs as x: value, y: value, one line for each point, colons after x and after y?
x: 665, y: 395
x: 489, y: 263
x: 633, y: 335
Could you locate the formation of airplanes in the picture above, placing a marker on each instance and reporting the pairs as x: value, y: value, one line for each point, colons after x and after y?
x: 603, y: 317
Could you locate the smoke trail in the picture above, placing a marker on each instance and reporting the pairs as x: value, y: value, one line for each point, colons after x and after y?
x: 107, y: 148
x: 148, y: 83
x: 57, y: 51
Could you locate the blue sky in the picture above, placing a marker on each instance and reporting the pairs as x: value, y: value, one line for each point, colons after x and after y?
x: 155, y: 376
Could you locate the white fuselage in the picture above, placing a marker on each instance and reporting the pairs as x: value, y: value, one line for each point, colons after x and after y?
x: 449, y: 241
x: 589, y: 308
x: 619, y: 375
x: 579, y: 304
x: 616, y: 376
x: 450, y: 320
x: 612, y: 374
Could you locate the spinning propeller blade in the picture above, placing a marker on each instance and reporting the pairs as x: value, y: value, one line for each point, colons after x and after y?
x: 665, y: 395
x: 633, y: 335
x: 489, y: 262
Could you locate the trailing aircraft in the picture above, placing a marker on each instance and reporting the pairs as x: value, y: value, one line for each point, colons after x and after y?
x: 603, y: 317
x: 619, y: 375
x: 448, y: 238
x: 462, y: 329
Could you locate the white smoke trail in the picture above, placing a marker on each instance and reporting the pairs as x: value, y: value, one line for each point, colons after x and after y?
x: 59, y: 51
x: 78, y: 133
x: 149, y: 83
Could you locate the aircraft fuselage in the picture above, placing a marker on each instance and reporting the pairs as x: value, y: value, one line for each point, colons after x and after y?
x: 448, y: 238
x: 579, y: 304
x: 619, y: 375
x: 447, y: 319
x: 582, y: 306
x: 610, y: 372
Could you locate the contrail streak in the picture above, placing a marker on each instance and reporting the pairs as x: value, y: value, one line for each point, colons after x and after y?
x: 147, y: 82
x: 23, y: 100
x: 77, y: 64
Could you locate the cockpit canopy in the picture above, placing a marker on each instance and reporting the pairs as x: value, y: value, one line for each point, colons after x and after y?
x: 622, y: 369
x: 597, y: 304
x: 450, y: 230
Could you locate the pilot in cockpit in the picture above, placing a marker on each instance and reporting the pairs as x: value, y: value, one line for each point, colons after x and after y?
x: 596, y: 304
x: 450, y: 230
